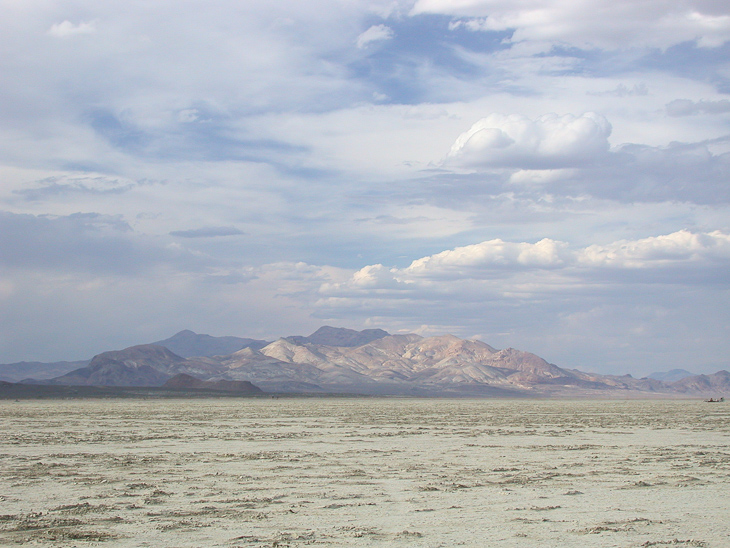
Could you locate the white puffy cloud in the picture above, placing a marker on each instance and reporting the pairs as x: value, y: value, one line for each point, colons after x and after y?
x: 682, y: 247
x: 550, y: 141
x: 67, y: 29
x: 508, y: 263
x: 376, y: 33
x: 376, y: 277
x: 470, y: 261
x: 532, y: 177
x: 595, y: 24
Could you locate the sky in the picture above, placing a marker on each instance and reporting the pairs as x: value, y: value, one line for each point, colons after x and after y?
x: 547, y: 176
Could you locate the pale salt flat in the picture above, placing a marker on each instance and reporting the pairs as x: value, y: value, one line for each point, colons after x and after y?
x: 364, y: 472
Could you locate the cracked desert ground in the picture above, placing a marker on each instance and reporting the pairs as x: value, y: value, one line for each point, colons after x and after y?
x: 364, y: 472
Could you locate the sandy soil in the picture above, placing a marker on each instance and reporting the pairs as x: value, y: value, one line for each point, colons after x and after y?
x: 364, y: 472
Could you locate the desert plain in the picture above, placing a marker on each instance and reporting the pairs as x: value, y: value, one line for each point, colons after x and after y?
x: 281, y: 472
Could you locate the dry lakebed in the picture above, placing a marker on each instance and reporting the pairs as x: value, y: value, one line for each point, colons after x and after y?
x: 364, y: 472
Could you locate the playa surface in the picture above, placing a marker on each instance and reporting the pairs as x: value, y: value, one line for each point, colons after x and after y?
x: 364, y: 472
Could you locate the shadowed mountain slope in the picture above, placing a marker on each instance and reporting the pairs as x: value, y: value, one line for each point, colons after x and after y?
x: 142, y: 365
x: 188, y: 344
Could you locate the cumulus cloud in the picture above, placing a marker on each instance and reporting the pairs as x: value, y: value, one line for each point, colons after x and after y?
x: 509, y: 264
x: 376, y: 33
x: 571, y: 157
x: 67, y: 29
x: 376, y: 277
x: 475, y: 260
x: 613, y: 24
x: 540, y: 177
x: 679, y: 248
x: 550, y: 141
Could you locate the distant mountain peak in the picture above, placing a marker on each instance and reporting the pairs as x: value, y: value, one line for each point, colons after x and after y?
x: 146, y: 351
x: 189, y: 344
x: 340, y: 336
x: 671, y: 376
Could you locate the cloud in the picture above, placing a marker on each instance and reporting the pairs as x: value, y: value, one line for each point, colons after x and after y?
x: 599, y: 307
x: 81, y: 242
x: 329, y: 147
x: 686, y: 172
x: 550, y: 141
x: 621, y: 90
x: 67, y: 29
x: 686, y: 107
x: 667, y: 251
x: 376, y: 277
x: 613, y: 24
x: 190, y: 136
x: 376, y: 33
x: 504, y: 266
x: 570, y: 156
x: 208, y: 232
x: 415, y: 221
x: 479, y: 259
x: 70, y: 185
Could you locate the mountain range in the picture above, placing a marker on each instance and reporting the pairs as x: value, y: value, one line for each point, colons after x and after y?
x: 338, y: 360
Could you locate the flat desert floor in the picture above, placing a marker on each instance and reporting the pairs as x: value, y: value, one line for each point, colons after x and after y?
x: 364, y: 472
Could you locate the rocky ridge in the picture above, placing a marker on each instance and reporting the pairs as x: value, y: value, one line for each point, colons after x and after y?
x: 386, y: 364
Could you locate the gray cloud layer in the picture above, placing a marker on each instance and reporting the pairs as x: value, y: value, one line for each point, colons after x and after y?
x: 207, y: 232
